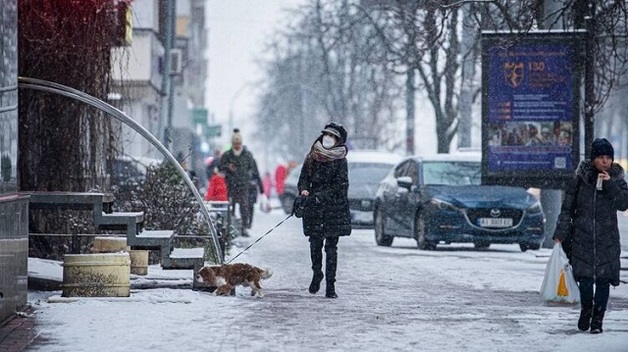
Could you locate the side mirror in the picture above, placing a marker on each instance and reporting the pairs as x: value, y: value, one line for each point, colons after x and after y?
x: 405, y: 182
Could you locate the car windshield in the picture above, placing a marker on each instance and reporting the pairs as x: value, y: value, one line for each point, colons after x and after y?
x: 367, y: 173
x: 451, y: 173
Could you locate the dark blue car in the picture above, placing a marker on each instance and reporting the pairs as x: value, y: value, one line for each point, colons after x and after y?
x: 440, y: 199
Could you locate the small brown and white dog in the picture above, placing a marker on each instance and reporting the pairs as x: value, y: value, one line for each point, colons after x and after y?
x: 226, y: 277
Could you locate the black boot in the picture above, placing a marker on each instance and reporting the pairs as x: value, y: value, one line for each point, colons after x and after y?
x: 596, y: 320
x: 586, y: 311
x: 331, y: 259
x: 316, y: 255
x: 315, y: 285
x: 330, y: 291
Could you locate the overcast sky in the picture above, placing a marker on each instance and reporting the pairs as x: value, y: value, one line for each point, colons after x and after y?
x: 238, y: 30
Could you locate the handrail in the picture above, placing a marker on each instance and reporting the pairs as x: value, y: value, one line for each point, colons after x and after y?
x: 52, y: 87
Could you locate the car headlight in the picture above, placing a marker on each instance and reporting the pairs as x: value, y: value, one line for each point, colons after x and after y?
x: 535, y: 208
x: 443, y: 205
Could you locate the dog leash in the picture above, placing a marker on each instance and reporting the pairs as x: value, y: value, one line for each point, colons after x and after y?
x: 259, y: 239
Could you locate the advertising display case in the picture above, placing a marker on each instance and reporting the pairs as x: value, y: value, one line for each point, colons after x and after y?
x: 531, y: 107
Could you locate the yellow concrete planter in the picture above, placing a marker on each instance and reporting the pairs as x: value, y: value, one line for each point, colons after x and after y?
x: 109, y: 244
x: 96, y: 275
x: 139, y: 262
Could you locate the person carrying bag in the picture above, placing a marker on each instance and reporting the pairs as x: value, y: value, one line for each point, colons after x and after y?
x: 588, y: 217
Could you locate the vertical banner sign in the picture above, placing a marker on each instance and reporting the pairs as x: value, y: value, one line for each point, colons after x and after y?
x: 531, y: 85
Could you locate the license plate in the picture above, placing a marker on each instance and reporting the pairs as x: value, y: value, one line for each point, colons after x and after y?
x: 495, y: 222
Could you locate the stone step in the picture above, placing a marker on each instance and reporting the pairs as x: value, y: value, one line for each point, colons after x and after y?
x: 151, y: 239
x: 97, y: 202
x: 126, y: 221
x: 183, y: 258
x: 120, y: 218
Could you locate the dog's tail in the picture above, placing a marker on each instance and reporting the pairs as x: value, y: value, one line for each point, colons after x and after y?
x: 266, y: 273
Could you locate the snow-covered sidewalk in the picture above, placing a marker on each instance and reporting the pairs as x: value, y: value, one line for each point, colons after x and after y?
x: 391, y: 299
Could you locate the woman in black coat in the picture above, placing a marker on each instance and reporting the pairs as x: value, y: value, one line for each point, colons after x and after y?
x: 588, y: 220
x: 324, y: 183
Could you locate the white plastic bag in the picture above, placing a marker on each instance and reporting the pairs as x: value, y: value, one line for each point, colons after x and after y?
x: 264, y: 204
x: 559, y: 285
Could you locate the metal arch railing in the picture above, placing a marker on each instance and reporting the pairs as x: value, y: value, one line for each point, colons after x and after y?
x: 51, y: 87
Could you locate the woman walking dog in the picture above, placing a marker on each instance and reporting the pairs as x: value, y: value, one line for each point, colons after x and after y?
x: 324, y: 183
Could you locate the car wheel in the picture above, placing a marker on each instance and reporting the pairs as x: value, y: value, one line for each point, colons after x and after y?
x: 533, y: 246
x: 380, y: 238
x: 481, y: 245
x: 420, y: 234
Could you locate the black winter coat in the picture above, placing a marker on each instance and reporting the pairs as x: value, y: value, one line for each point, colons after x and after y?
x: 327, y: 213
x: 245, y: 169
x: 596, y: 248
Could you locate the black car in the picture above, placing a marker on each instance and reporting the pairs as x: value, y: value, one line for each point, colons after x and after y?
x: 366, y: 169
x: 127, y: 171
x: 440, y: 199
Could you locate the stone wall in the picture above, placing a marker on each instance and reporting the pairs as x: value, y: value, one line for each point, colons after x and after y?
x: 13, y: 207
x: 8, y: 96
x: 13, y: 253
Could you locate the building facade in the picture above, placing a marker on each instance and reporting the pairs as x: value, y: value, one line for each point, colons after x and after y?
x: 137, y: 78
x: 141, y: 90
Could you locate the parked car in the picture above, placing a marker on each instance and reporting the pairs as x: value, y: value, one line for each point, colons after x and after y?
x: 440, y: 199
x: 128, y: 171
x: 366, y: 170
x: 290, y: 189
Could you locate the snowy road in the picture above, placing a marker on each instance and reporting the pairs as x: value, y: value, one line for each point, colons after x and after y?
x: 390, y: 299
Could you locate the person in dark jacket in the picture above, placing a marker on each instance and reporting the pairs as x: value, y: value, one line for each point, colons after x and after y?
x: 239, y: 166
x: 588, y: 220
x: 324, y: 182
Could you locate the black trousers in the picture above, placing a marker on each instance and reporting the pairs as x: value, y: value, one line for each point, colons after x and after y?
x: 600, y: 298
x: 331, y: 256
x: 241, y: 196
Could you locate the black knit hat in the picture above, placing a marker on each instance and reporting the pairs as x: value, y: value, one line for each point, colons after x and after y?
x: 601, y: 146
x: 336, y: 130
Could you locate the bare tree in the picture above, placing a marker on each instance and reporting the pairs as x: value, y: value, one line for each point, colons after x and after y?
x: 365, y: 57
x: 322, y: 68
x: 64, y: 144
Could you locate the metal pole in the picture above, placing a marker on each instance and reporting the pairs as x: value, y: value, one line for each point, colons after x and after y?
x: 589, y: 78
x: 166, y: 78
x: 410, y: 91
x: 170, y: 35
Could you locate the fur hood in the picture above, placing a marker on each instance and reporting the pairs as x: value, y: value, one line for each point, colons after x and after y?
x: 587, y: 172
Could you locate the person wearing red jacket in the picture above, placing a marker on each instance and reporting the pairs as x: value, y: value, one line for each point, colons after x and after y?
x: 217, y: 188
x: 280, y: 178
